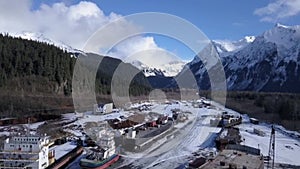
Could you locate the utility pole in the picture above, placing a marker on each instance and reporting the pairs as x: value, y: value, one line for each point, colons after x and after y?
x: 272, y: 149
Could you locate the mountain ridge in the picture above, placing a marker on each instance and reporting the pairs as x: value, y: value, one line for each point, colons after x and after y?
x: 39, y: 37
x: 269, y: 63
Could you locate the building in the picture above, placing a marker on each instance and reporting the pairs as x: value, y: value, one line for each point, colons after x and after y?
x: 228, y: 136
x: 25, y: 151
x: 197, y: 162
x: 230, y: 120
x: 103, y: 108
x: 235, y: 159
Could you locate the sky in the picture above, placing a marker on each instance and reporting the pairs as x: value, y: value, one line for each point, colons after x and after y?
x: 72, y: 21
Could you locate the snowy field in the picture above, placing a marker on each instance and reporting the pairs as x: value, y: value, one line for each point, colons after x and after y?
x: 287, y: 149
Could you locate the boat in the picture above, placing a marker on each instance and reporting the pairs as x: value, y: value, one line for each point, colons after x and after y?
x: 65, y: 159
x: 103, y: 155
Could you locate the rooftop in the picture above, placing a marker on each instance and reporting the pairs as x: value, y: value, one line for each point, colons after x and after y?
x: 235, y: 159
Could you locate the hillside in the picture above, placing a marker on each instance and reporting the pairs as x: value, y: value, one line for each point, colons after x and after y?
x: 36, y: 77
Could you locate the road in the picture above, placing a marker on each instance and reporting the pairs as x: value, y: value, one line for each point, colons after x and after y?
x: 178, y: 149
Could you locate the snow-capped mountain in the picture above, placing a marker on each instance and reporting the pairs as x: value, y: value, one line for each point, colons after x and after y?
x: 271, y: 62
x: 170, y: 69
x: 41, y: 38
x: 226, y: 47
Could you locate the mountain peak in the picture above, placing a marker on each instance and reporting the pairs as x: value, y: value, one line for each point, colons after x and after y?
x: 249, y: 39
x: 168, y: 69
x: 285, y: 36
x: 269, y: 63
x: 279, y: 25
x: 225, y: 47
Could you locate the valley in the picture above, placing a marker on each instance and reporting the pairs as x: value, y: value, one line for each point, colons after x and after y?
x: 149, y: 85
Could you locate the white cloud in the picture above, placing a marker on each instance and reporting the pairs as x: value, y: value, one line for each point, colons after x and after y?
x: 143, y: 49
x: 72, y: 25
x: 278, y: 10
x: 69, y: 24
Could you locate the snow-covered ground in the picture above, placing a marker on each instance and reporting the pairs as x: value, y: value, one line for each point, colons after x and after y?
x: 187, y: 137
x: 287, y: 149
x: 196, y: 135
x: 287, y: 143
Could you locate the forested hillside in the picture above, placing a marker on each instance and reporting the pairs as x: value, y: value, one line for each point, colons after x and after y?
x: 36, y: 77
x: 25, y: 63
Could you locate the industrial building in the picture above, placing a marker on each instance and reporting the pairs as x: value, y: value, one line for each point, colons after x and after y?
x: 237, y: 157
x: 25, y: 151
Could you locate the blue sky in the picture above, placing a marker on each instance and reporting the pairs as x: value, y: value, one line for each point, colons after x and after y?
x: 218, y: 19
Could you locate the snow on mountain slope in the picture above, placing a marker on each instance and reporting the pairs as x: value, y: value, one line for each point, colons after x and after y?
x: 41, y: 38
x: 283, y: 36
x: 168, y: 69
x: 172, y: 69
x: 272, y: 60
x: 269, y: 63
x: 225, y: 47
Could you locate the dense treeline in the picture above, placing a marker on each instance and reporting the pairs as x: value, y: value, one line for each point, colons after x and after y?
x: 28, y: 60
x: 37, y: 77
x: 282, y: 108
x: 283, y: 104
